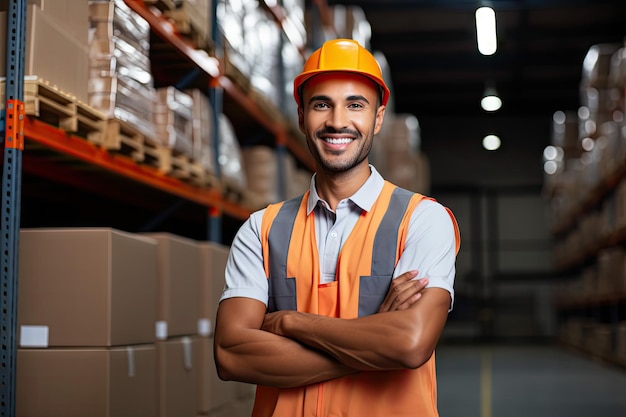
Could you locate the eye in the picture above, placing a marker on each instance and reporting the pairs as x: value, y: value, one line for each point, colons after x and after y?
x: 320, y: 105
x: 355, y: 105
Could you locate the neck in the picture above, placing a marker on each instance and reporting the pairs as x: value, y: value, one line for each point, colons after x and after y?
x: 333, y: 187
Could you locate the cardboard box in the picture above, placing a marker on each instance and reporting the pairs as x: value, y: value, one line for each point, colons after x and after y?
x: 178, y: 283
x: 101, y: 382
x: 86, y: 287
x: 51, y: 54
x: 213, y: 392
x: 178, y: 372
x: 71, y: 15
x: 213, y: 257
x: 202, y: 130
x: 173, y: 119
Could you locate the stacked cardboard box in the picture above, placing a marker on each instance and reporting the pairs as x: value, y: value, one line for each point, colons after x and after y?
x: 173, y: 120
x: 396, y: 153
x: 298, y: 179
x: 202, y: 132
x: 192, y: 19
x: 617, y: 78
x: 596, y: 90
x: 261, y: 166
x: 216, y: 395
x: 120, y: 78
x: 119, y: 324
x: 598, y: 151
x: 177, y: 344
x: 56, y: 44
x: 86, y: 314
x: 255, y: 54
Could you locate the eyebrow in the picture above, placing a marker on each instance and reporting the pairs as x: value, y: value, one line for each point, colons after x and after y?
x: 356, y: 97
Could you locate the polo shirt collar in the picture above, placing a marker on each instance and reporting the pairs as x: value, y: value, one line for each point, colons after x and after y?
x: 364, y: 198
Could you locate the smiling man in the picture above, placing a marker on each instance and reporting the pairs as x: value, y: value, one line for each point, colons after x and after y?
x: 323, y: 309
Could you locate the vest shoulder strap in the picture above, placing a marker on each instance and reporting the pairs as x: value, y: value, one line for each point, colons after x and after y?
x: 276, y: 229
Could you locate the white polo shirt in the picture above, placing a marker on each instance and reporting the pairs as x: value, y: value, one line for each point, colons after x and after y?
x: 430, y: 246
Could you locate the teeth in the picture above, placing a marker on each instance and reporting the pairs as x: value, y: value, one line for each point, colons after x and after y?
x: 342, y: 141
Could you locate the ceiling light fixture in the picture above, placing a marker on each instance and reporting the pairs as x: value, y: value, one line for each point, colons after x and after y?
x: 486, y: 30
x: 491, y: 142
x: 491, y: 101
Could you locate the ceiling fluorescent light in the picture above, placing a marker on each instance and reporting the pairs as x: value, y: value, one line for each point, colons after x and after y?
x: 491, y: 142
x: 486, y: 30
x: 490, y: 101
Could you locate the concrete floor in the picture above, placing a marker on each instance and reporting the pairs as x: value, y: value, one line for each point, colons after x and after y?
x: 526, y: 381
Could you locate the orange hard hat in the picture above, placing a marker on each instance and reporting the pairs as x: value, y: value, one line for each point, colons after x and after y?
x: 341, y: 55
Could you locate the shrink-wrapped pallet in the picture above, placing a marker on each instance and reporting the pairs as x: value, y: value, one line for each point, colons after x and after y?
x: 597, y: 64
x: 565, y: 133
x: 261, y: 168
x: 121, y: 83
x: 229, y: 157
x: 203, y: 131
x: 173, y: 119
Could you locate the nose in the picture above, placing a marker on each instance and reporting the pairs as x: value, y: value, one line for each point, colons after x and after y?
x: 339, y: 118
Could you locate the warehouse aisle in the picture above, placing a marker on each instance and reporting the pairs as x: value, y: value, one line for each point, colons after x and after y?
x: 526, y: 381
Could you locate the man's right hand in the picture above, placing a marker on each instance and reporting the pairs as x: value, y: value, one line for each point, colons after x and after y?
x: 403, y: 292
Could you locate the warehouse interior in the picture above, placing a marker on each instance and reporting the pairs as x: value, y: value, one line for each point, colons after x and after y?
x: 111, y: 160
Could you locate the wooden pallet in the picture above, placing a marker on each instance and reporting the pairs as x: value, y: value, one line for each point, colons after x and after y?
x: 233, y: 192
x: 91, y: 123
x: 123, y: 138
x: 202, y: 177
x: 48, y: 103
x: 236, y: 75
x: 55, y: 107
x: 185, y: 169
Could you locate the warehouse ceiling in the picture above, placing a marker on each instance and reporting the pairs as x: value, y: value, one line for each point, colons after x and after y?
x: 436, y: 69
x: 438, y: 75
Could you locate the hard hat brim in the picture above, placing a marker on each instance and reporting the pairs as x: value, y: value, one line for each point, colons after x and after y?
x: 302, y: 78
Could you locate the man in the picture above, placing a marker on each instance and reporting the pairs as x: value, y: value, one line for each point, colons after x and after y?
x: 322, y: 307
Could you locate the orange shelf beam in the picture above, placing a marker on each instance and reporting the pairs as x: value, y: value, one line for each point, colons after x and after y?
x: 211, y: 66
x: 277, y: 129
x: 166, y: 31
x: 78, y: 148
x: 250, y: 106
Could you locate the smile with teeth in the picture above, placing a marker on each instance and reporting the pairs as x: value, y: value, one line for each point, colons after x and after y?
x: 338, y: 141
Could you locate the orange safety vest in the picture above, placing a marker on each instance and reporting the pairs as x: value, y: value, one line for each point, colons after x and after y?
x: 365, y: 267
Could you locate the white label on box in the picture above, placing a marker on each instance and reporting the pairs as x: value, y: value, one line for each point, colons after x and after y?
x: 204, y: 327
x: 34, y: 336
x: 187, y: 362
x: 161, y: 330
x: 131, y: 361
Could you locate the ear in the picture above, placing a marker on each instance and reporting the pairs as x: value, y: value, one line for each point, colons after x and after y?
x: 380, y: 116
x: 301, y: 118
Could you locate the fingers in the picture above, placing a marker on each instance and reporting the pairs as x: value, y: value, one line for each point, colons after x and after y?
x: 408, y: 293
x: 403, y: 292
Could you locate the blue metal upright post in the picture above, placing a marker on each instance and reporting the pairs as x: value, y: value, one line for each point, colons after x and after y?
x: 214, y: 232
x: 11, y: 196
x: 281, y: 150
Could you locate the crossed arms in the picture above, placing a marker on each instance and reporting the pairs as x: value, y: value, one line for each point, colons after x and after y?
x: 289, y: 349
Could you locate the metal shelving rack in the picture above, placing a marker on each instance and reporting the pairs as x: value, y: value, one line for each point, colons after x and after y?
x: 11, y: 198
x: 204, y: 71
